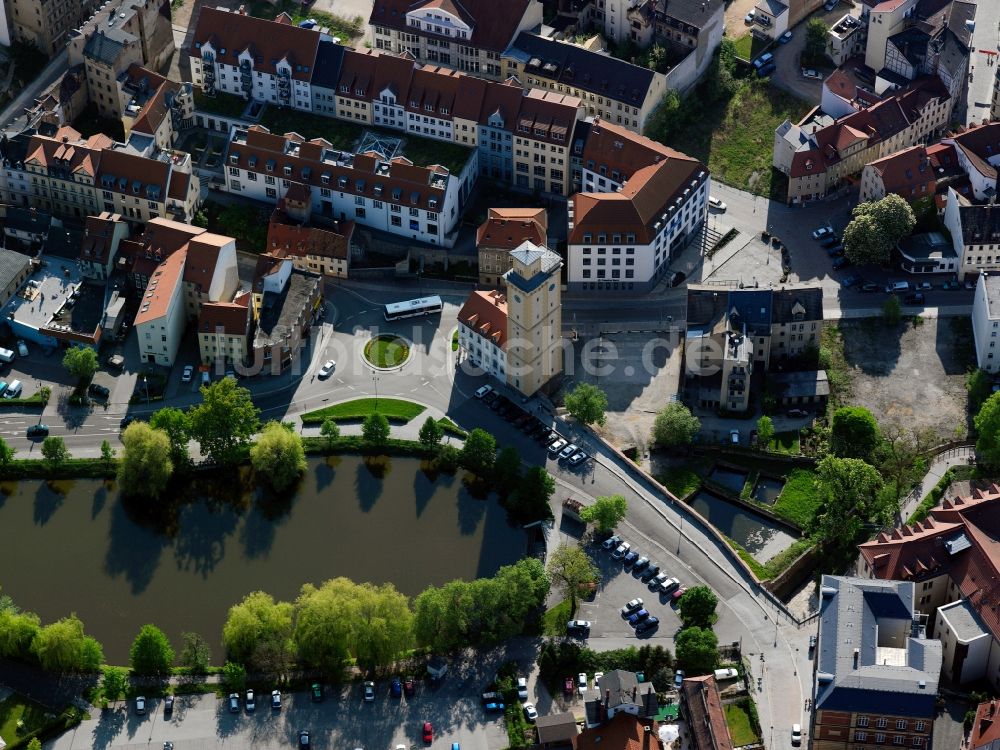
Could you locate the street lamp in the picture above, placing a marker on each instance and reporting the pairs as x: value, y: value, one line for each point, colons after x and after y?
x: 145, y: 385
x: 375, y: 380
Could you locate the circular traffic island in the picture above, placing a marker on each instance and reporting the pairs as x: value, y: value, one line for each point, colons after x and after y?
x: 387, y: 351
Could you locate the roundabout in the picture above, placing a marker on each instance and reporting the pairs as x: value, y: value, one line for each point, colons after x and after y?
x: 387, y: 351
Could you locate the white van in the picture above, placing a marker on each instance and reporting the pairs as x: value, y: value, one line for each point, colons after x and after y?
x: 6, y: 355
x: 897, y: 287
x: 14, y: 391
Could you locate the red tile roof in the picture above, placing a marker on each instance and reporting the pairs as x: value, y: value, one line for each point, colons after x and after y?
x: 507, y: 228
x: 908, y: 173
x: 232, y: 318
x: 162, y: 282
x: 494, y: 22
x: 268, y: 42
x: 623, y: 732
x: 99, y: 231
x: 202, y: 258
x: 486, y: 314
x: 288, y: 237
x: 986, y: 727
x: 705, y: 717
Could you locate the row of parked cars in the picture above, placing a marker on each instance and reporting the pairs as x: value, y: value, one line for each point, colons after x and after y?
x: 634, y: 612
x: 829, y: 240
x: 558, y: 446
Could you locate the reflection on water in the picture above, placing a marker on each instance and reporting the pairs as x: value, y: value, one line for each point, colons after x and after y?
x: 767, y: 490
x: 729, y: 478
x: 758, y: 535
x: 78, y: 547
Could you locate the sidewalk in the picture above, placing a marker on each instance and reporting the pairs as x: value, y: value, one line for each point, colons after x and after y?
x: 955, y: 457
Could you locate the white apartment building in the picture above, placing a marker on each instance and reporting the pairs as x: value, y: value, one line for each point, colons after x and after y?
x: 482, y: 332
x: 986, y: 322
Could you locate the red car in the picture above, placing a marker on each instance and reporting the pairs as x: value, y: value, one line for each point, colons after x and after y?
x: 678, y: 593
x: 568, y: 686
x: 428, y: 732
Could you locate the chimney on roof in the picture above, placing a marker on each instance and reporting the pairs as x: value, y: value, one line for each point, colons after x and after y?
x: 857, y: 657
x: 242, y: 10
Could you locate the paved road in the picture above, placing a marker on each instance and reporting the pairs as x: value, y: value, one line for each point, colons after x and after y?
x: 12, y: 115
x: 985, y: 37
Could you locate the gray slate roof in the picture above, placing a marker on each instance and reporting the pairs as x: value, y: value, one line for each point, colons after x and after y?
x: 980, y: 224
x: 692, y: 12
x: 854, y: 614
x: 12, y: 265
x: 105, y: 45
x: 326, y: 71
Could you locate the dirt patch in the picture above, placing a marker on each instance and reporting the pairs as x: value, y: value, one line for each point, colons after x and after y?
x: 913, y: 375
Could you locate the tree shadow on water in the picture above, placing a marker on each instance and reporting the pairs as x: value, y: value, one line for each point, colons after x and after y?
x: 134, y: 548
x: 48, y: 497
x: 100, y: 499
x: 471, y: 506
x: 269, y: 511
x: 326, y: 471
x: 202, y: 531
x: 368, y: 483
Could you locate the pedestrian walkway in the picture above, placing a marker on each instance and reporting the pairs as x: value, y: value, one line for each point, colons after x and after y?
x: 959, y: 456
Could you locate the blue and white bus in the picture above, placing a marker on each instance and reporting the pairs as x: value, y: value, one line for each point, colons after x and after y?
x: 412, y: 308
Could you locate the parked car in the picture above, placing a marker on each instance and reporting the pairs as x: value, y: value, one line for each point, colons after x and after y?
x: 234, y: 703
x: 396, y: 688
x: 840, y: 262
x: 669, y: 585
x: 822, y: 232
x: 716, y: 203
x: 577, y: 458
x: 276, y: 700
x: 530, y: 712
x: 316, y: 692
x: 734, y: 437
x: 187, y: 374
x: 568, y: 686
x: 632, y: 606
x: 428, y: 732
x: 140, y: 706
x: 650, y: 572
x: 557, y: 446
x: 829, y: 241
x: 568, y: 451
x: 647, y: 625
x: 657, y: 581
x: 797, y: 413
x: 327, y: 369
x: 925, y: 286
x: 611, y: 542
x: 490, y: 396
x: 251, y: 702
x: 98, y: 391
x: 640, y: 565
x: 851, y: 280
x: 810, y: 73
x: 677, y: 278
x: 727, y: 673
x: 830, y: 5
x: 37, y: 431
x: 785, y: 38
x: 812, y: 643
x: 168, y: 705
x: 636, y: 617
x: 494, y: 707
x: 869, y: 286
x: 522, y: 688
x: 304, y: 739
x: 369, y: 691
x: 578, y: 627
x: 630, y: 559
x: 763, y: 60
x: 678, y: 678
x: 581, y: 683
x: 796, y: 735
x: 675, y: 597
x: 22, y: 348
x: 766, y: 70
x: 835, y: 251
x: 409, y: 687
x: 621, y: 550
x: 748, y: 18
x: 914, y: 299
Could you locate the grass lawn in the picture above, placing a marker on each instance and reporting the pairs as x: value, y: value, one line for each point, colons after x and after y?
x: 798, y: 501
x: 226, y: 105
x: 451, y: 428
x: 680, y: 480
x: 554, y: 620
x: 387, y: 351
x: 737, y: 137
x: 748, y: 46
x: 394, y: 409
x: 785, y: 442
x: 740, y: 727
x: 18, y: 708
x: 454, y: 341
x: 344, y: 28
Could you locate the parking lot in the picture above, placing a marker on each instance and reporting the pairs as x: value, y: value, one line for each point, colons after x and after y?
x: 341, y: 720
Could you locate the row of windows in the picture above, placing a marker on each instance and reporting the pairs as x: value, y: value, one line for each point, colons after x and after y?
x: 881, y: 723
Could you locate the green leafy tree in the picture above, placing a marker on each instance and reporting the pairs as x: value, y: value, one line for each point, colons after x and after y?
x: 901, y: 455
x: 107, y: 453
x: 979, y: 384
x: 54, y: 450
x: 375, y: 429
x: 323, y: 627
x: 195, y: 653
x: 530, y: 500
x: 225, y: 421
x: 854, y: 433
x: 697, y: 650
x: 80, y: 362
x: 381, y: 625
x: 278, y: 456
x: 145, y: 468
x: 876, y: 228
x: 63, y: 647
x: 151, y: 652
x: 35, y: 744
x: 850, y: 492
x: 675, y: 425
x: 258, y: 633
x: 234, y: 677
x: 479, y: 453
x: 6, y: 453
x: 507, y: 470
x: 892, y: 311
x: 114, y: 682
x: 330, y: 431
x: 17, y: 633
x: 816, y: 36
x: 606, y: 512
x: 176, y: 425
x: 987, y: 423
x: 697, y: 607
x: 587, y: 403
x: 431, y: 433
x: 765, y: 431
x: 441, y: 615
x: 570, y: 569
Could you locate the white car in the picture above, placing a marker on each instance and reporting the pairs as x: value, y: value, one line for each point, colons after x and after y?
x: 810, y: 73
x: 581, y: 683
x: 557, y: 446
x: 734, y: 437
x: 522, y: 688
x: 716, y: 203
x: 327, y: 370
x: 568, y: 451
x: 748, y: 18
x: 597, y: 679
x: 632, y: 606
x: 530, y: 712
x: 796, y: 735
x: 187, y: 373
x: 621, y: 551
x: 483, y: 390
x: 822, y: 232
x: 726, y: 674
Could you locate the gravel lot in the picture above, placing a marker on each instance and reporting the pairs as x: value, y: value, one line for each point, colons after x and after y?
x: 914, y: 376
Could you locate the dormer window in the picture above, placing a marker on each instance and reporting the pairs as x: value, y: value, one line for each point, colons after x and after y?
x: 288, y: 170
x: 345, y: 89
x: 270, y: 165
x: 325, y: 178
x: 234, y: 158
x: 359, y: 91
